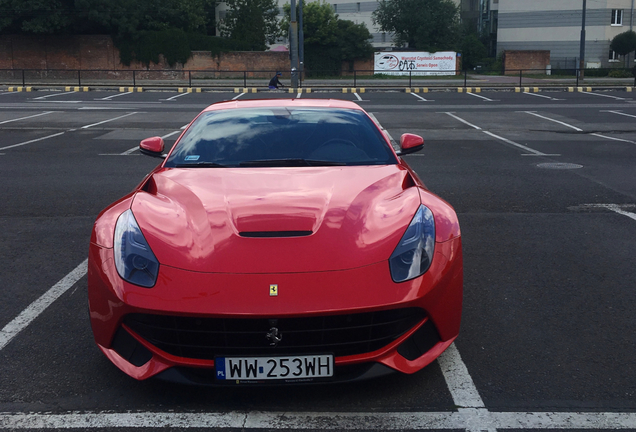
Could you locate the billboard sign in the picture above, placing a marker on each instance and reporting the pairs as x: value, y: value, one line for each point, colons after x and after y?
x: 415, y: 63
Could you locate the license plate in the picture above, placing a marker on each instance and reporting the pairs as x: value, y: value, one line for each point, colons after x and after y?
x: 274, y: 368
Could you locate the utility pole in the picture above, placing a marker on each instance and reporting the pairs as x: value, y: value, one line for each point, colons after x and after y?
x: 631, y: 27
x: 301, y: 41
x: 293, y: 45
x: 582, y: 54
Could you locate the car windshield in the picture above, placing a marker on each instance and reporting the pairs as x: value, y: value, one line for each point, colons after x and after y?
x: 281, y: 136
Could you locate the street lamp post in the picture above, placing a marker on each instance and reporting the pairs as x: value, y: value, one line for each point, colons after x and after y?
x: 301, y: 42
x: 293, y: 42
x: 582, y: 54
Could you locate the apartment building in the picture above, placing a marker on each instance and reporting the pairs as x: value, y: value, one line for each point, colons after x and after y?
x: 555, y: 25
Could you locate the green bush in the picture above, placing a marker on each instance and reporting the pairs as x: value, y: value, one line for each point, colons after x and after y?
x: 322, y: 61
x: 174, y: 44
x: 563, y: 72
x: 215, y: 44
x: 597, y: 72
x: 473, y: 52
x: 620, y: 73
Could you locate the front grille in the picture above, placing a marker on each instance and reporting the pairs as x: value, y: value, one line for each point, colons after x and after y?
x: 342, y: 335
x: 272, y: 234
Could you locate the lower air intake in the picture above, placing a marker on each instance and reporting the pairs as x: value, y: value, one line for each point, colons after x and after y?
x: 342, y: 335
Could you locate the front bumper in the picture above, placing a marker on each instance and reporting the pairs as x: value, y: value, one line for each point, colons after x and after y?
x: 189, y: 294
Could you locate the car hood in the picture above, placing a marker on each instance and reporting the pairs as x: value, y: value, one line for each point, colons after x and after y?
x: 275, y: 220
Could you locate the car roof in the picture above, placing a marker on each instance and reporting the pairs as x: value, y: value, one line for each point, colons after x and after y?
x: 268, y: 103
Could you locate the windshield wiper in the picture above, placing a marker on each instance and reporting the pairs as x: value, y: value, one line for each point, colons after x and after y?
x: 289, y: 162
x: 200, y: 165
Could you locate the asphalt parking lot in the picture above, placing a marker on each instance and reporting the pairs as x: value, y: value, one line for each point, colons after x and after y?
x: 545, y: 188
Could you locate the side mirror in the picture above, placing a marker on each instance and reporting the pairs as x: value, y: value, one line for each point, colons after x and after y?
x: 410, y: 143
x: 152, y: 147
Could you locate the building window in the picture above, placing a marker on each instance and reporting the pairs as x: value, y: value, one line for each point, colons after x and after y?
x: 335, y: 8
x: 617, y: 17
x: 613, y: 57
x: 383, y: 37
x: 358, y: 7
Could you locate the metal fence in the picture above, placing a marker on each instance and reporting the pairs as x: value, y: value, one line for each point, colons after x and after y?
x: 555, y: 77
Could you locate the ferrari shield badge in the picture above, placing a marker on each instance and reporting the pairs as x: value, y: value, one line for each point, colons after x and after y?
x: 273, y: 290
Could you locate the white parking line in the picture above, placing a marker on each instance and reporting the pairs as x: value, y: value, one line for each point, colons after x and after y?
x: 55, y: 101
x: 621, y: 113
x: 299, y: 95
x: 126, y: 153
x: 236, y: 97
x: 459, y: 382
x: 360, y: 99
x: 132, y: 150
x: 616, y: 209
x: 506, y: 140
x: 177, y: 96
x: 421, y: 98
x: 542, y: 96
x: 462, y: 120
x: 480, y: 96
x: 395, y: 145
x: 552, y: 120
x: 32, y: 141
x: 604, y: 95
x: 170, y: 134
x: 107, y: 121
x: 24, y: 118
x: 29, y: 314
x: 612, y: 138
x: 521, y: 146
x: 114, y: 96
x: 54, y: 95
x: 462, y: 419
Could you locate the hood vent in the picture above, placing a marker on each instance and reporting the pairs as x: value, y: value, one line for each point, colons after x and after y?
x: 271, y: 234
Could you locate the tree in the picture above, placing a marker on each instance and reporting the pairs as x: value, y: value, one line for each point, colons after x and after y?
x: 329, y: 40
x: 428, y: 25
x: 251, y: 21
x: 36, y: 16
x: 473, y: 51
x: 624, y: 43
x: 353, y: 40
x: 116, y: 17
x: 141, y: 29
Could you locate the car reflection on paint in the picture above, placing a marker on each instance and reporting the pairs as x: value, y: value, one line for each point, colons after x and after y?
x: 279, y: 241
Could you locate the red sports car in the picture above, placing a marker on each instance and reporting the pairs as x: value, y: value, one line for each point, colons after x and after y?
x: 280, y: 241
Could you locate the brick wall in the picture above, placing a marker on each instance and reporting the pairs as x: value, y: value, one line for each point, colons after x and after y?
x: 525, y: 60
x: 363, y: 65
x: 99, y: 53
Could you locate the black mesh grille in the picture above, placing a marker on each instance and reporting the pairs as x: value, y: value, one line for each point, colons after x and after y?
x: 342, y: 335
x: 268, y: 234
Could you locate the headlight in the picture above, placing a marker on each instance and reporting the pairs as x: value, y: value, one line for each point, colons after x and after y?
x: 134, y: 259
x: 413, y: 255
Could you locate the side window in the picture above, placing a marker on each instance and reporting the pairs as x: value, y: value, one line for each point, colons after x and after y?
x: 613, y: 57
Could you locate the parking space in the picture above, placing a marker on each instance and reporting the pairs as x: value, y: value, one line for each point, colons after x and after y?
x: 548, y: 216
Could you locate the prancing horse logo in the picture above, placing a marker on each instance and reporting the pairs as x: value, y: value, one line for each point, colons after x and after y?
x: 274, y: 336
